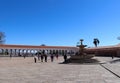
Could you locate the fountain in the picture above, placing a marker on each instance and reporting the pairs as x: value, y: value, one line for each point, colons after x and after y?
x: 81, y: 56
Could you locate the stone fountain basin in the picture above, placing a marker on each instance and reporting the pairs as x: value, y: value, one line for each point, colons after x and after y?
x: 76, y: 57
x: 82, y: 59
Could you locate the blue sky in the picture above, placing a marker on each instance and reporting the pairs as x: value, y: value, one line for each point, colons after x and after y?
x: 60, y: 22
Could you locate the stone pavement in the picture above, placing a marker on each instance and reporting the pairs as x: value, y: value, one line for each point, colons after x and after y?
x: 20, y: 70
x: 113, y: 66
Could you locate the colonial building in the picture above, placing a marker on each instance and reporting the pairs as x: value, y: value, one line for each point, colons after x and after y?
x: 113, y: 50
x: 18, y: 50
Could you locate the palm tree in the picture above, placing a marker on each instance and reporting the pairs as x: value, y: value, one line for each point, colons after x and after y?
x: 96, y: 42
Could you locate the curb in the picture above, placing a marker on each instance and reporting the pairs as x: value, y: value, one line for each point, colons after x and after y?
x: 110, y: 71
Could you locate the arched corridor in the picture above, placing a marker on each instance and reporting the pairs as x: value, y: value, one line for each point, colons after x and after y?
x: 21, y: 50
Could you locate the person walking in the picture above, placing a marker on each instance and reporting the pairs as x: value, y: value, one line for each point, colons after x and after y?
x: 45, y: 57
x: 52, y: 57
x: 10, y: 55
x: 65, y: 58
x: 39, y: 57
x: 42, y: 57
x: 112, y: 56
x: 35, y: 58
x: 24, y: 55
x: 56, y: 56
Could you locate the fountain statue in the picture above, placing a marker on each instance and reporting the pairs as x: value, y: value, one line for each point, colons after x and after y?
x: 81, y: 47
x: 81, y: 56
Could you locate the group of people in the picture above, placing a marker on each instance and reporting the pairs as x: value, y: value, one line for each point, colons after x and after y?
x: 43, y: 57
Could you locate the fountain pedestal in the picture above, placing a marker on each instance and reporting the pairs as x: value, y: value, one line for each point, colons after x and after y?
x: 81, y: 56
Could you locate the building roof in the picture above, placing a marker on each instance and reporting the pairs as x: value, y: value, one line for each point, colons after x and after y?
x: 31, y: 46
x: 105, y: 47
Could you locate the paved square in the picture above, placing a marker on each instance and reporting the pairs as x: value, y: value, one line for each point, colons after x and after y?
x: 20, y: 70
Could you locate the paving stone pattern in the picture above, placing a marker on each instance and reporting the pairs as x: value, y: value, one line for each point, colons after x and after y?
x: 20, y: 70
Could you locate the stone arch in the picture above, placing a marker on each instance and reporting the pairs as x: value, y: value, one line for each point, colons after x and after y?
x: 6, y: 52
x: 60, y: 52
x: 1, y: 51
x: 65, y: 51
x: 57, y: 51
x: 53, y: 51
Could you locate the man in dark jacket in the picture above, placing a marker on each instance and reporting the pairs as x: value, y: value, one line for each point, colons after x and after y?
x: 65, y: 58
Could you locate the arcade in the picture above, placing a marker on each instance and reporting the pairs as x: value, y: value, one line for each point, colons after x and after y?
x: 29, y: 50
